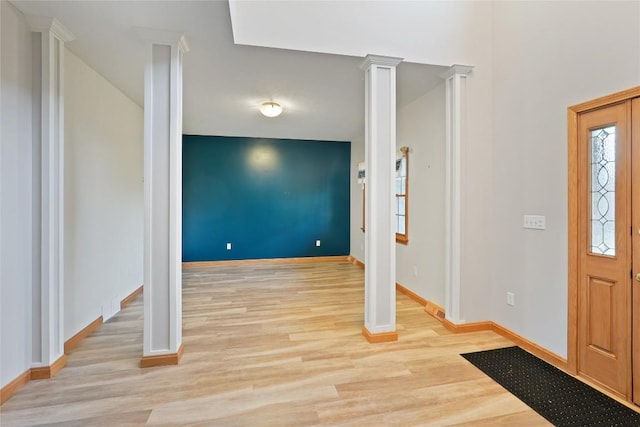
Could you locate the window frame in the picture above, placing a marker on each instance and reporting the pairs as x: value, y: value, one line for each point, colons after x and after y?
x: 403, y: 238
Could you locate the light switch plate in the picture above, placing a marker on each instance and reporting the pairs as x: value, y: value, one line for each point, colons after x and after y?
x: 511, y: 300
x: 536, y: 222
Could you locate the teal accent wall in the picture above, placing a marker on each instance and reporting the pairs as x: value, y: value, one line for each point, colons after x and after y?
x: 269, y: 198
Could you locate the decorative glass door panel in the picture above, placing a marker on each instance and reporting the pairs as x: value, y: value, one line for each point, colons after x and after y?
x: 603, y: 191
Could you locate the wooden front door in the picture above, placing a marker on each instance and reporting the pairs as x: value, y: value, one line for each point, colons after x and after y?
x: 606, y: 239
x: 604, y: 334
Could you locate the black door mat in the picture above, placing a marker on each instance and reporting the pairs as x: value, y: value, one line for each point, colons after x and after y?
x: 560, y: 398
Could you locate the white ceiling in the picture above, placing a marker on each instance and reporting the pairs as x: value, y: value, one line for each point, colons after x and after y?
x: 224, y: 83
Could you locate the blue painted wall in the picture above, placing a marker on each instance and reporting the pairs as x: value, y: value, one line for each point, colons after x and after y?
x: 270, y: 198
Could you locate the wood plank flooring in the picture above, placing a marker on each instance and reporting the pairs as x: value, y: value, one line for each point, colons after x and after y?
x: 275, y: 345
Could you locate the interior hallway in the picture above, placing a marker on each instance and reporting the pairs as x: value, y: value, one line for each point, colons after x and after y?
x: 275, y: 345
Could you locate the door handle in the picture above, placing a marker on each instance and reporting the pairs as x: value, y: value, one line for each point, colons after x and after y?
x: 638, y: 277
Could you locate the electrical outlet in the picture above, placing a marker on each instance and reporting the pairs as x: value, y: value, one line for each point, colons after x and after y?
x: 317, y: 242
x: 415, y: 271
x: 228, y: 246
x: 511, y: 299
x: 536, y: 222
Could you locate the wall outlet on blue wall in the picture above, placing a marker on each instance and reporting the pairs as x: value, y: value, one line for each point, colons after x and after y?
x: 317, y: 242
x: 228, y: 246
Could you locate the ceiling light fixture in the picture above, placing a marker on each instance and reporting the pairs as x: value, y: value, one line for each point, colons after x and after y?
x: 271, y: 109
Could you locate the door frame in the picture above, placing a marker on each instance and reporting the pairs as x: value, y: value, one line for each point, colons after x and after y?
x: 573, y: 242
x: 635, y: 249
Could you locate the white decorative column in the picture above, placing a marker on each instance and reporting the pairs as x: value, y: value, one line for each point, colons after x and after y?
x: 455, y: 84
x: 163, y: 197
x: 380, y: 149
x: 49, y: 37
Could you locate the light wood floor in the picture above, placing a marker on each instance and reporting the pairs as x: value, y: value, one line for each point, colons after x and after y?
x: 275, y: 345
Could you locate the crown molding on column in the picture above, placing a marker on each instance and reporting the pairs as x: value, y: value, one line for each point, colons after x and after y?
x: 44, y: 23
x: 164, y: 37
x: 456, y: 69
x: 388, y: 61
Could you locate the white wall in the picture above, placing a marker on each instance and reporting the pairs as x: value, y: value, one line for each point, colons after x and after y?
x: 420, y: 263
x: 547, y: 56
x: 104, y: 199
x: 357, y: 236
x: 476, y: 165
x: 15, y: 195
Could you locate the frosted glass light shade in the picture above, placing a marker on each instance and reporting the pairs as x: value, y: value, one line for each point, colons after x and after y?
x: 271, y: 109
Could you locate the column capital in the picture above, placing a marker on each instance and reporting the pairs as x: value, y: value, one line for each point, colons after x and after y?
x: 387, y: 61
x: 164, y: 37
x: 456, y: 69
x: 40, y: 24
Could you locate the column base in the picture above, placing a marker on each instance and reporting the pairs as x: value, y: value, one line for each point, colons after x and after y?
x: 162, y: 359
x: 381, y: 337
x: 44, y: 372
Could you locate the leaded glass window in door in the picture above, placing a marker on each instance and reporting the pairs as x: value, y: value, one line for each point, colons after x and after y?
x: 603, y: 191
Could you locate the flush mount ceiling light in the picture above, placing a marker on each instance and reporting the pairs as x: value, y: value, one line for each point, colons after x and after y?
x: 271, y: 109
